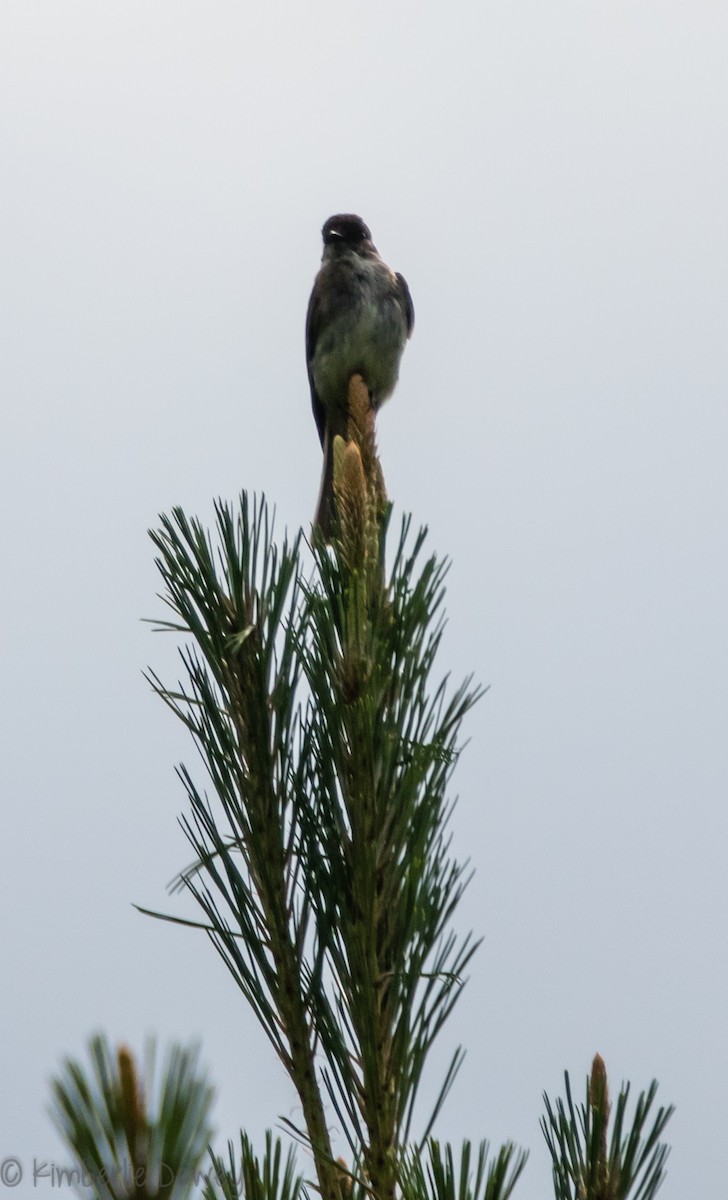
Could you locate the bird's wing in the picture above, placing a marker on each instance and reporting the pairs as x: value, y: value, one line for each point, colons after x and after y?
x: 313, y: 324
x: 409, y: 308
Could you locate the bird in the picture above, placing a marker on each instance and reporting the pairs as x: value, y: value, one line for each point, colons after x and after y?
x: 359, y: 319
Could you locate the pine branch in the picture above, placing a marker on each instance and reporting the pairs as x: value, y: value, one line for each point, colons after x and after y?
x: 586, y: 1164
x: 239, y: 604
x: 133, y: 1134
x: 383, y: 884
x: 323, y: 865
x: 245, y: 1176
x: 437, y: 1177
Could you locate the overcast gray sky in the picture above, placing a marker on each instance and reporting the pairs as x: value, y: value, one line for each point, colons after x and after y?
x: 552, y: 180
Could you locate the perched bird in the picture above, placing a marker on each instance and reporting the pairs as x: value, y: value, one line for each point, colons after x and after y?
x: 359, y: 318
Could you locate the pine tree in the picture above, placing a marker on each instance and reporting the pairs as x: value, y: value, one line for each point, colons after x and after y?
x: 322, y: 863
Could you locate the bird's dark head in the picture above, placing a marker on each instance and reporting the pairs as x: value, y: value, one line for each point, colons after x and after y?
x: 347, y: 230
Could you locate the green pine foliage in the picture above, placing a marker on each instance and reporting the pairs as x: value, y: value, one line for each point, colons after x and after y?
x: 588, y: 1163
x: 274, y: 1178
x: 143, y: 1137
x: 436, y: 1175
x: 323, y: 866
x: 324, y: 876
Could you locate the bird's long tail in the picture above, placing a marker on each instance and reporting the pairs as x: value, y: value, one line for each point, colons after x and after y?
x: 326, y: 507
